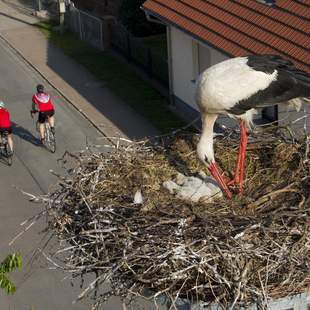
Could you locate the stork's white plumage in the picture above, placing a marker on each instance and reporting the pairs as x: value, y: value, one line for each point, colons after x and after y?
x: 237, y: 87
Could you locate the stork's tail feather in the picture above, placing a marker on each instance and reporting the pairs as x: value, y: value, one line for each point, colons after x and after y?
x: 303, y: 80
x: 270, y: 60
x: 281, y: 62
x: 302, y: 76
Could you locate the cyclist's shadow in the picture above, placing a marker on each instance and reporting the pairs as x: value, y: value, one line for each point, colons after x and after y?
x: 24, y: 134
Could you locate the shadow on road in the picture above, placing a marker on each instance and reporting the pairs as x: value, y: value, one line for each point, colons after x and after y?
x: 3, y: 161
x: 23, y: 6
x: 25, y: 134
x: 15, y: 18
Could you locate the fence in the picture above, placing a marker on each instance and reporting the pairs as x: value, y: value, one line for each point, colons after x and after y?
x: 88, y: 27
x: 135, y: 51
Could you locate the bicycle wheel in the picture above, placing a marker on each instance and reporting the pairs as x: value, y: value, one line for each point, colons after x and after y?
x: 50, y: 142
x: 8, y: 154
x: 2, y: 151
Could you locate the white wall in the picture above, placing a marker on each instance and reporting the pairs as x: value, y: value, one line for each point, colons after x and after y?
x: 189, y: 58
x: 208, y: 56
x: 182, y: 66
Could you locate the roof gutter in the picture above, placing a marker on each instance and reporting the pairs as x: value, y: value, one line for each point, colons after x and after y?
x: 151, y: 18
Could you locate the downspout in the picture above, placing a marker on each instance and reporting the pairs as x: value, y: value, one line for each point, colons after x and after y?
x: 168, y: 32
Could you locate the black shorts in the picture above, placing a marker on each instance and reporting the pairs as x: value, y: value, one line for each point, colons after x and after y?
x: 5, y: 130
x: 44, y: 115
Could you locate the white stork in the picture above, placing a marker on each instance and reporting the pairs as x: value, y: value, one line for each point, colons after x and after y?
x: 236, y: 87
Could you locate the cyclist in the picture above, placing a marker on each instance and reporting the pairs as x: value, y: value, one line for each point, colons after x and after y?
x: 42, y: 103
x: 5, y: 124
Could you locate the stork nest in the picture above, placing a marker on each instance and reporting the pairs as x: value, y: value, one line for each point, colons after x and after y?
x: 229, y: 252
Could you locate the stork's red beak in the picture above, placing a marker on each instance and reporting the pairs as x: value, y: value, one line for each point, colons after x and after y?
x: 219, y: 178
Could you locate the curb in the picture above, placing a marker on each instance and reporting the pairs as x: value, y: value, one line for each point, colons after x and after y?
x: 54, y: 87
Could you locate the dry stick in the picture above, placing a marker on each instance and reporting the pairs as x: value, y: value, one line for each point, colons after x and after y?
x: 53, y: 262
x: 163, y: 291
x: 265, y: 297
x: 89, y: 288
x: 237, y: 296
x: 178, y: 294
x: 307, y: 151
x: 22, y: 232
x: 242, y: 280
x: 266, y: 197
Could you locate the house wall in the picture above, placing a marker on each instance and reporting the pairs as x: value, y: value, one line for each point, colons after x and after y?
x: 188, y: 59
x: 182, y: 69
x: 208, y: 56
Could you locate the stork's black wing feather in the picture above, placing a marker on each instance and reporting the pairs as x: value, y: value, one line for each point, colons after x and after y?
x: 268, y: 63
x: 290, y: 83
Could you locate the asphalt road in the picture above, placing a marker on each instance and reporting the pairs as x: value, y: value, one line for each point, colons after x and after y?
x: 38, y: 287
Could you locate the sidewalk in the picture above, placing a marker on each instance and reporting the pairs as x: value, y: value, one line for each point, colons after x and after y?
x: 104, y: 109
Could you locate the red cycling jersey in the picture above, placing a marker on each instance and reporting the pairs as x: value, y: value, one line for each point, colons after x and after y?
x: 43, y: 101
x: 4, y: 118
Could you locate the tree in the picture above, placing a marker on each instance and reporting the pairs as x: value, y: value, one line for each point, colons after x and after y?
x: 133, y: 18
x: 10, y: 263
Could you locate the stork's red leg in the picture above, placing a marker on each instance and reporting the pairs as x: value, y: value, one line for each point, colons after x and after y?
x: 236, y: 179
x: 243, y: 145
x: 220, y: 179
x: 239, y: 171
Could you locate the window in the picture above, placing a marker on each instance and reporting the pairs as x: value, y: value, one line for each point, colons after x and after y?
x: 201, y: 59
x: 204, y: 58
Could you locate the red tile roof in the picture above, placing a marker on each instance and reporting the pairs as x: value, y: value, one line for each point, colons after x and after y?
x: 242, y: 27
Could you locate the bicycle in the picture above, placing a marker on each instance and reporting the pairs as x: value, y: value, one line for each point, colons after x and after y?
x: 5, y: 150
x: 49, y: 140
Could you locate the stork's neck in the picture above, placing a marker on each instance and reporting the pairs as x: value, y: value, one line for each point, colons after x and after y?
x: 205, y: 145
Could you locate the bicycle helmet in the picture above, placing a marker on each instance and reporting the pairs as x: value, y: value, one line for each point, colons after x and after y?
x: 40, y: 88
x: 1, y: 104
